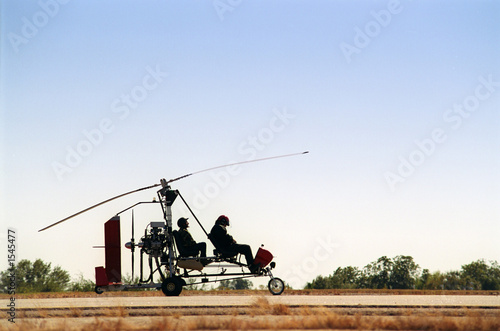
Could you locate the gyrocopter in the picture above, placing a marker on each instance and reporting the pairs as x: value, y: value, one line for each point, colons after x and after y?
x: 163, y: 251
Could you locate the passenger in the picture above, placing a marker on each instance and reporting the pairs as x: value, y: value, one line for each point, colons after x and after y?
x: 225, y: 242
x: 189, y: 246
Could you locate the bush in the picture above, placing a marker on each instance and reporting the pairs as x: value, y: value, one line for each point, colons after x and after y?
x: 33, y: 277
x: 82, y: 285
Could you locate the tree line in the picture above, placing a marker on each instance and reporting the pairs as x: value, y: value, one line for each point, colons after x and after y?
x: 401, y: 272
x: 39, y: 276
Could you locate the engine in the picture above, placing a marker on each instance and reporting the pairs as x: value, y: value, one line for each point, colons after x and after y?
x: 155, y: 241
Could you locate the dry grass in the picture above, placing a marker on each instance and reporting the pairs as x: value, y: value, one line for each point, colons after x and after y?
x: 243, y: 292
x: 261, y: 306
x: 266, y: 322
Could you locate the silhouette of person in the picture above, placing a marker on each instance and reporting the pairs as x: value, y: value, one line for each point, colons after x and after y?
x: 226, y: 243
x: 189, y: 246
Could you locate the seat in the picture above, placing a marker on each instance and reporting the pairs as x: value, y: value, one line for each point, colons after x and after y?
x: 189, y: 263
x: 180, y: 247
x: 218, y: 251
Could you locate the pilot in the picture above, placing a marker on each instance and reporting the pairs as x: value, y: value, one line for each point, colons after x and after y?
x: 190, y: 247
x: 225, y: 242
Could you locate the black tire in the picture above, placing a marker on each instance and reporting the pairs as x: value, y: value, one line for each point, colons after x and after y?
x: 276, y: 286
x: 171, y: 286
x: 98, y: 290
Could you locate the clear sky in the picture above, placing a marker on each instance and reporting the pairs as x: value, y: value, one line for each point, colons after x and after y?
x: 397, y: 102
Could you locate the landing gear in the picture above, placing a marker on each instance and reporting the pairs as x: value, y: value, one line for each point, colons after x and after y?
x: 172, y: 286
x: 276, y: 286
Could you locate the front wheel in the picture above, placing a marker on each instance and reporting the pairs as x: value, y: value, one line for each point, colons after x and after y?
x: 171, y: 286
x: 276, y: 286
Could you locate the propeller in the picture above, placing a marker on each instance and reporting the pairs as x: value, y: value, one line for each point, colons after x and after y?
x: 165, y: 183
x: 132, y: 245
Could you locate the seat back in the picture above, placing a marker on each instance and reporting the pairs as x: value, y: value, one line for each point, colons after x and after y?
x: 180, y: 246
x: 219, y: 251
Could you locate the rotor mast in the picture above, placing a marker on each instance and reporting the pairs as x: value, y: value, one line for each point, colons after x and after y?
x: 167, y: 197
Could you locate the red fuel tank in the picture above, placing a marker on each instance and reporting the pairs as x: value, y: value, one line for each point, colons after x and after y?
x: 263, y: 257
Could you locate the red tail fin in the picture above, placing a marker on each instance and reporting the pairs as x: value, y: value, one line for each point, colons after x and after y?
x: 113, y: 250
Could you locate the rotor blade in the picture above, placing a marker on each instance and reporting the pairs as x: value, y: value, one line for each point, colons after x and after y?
x: 170, y: 181
x: 97, y: 205
x: 236, y: 163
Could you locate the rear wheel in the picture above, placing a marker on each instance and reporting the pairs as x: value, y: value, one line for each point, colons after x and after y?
x: 171, y: 286
x: 98, y: 290
x: 276, y: 286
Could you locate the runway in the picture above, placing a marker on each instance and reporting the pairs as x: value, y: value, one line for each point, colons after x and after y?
x: 194, y: 312
x: 247, y: 300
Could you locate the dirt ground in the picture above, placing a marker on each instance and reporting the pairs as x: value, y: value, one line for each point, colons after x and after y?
x: 262, y: 316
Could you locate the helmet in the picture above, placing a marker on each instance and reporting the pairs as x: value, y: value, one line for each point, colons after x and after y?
x: 223, y: 220
x: 182, y: 222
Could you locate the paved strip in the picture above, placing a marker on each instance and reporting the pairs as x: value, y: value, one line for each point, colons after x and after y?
x: 391, y: 300
x: 247, y: 300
